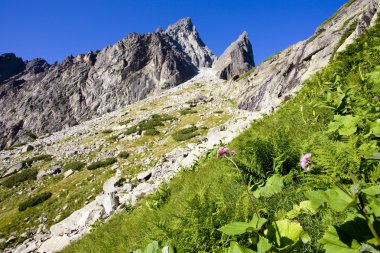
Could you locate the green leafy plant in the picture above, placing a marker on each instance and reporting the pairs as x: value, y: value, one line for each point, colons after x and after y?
x: 16, y: 179
x: 29, y: 161
x: 75, y: 165
x: 156, y: 247
x: 35, y: 200
x: 185, y: 134
x: 365, y: 203
x: 102, y: 163
x: 159, y: 198
x: 123, y: 154
x: 186, y: 111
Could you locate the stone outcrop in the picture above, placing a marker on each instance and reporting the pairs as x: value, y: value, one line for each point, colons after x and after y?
x: 46, y: 98
x: 236, y: 59
x: 281, y: 75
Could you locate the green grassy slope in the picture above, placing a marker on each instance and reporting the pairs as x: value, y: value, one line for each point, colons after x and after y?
x: 335, y: 117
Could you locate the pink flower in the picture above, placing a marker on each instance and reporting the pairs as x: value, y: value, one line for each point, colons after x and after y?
x: 305, y: 161
x: 222, y: 151
x: 233, y: 152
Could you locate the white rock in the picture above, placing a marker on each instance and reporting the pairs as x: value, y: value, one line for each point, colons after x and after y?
x: 109, y: 185
x: 68, y: 173
x: 144, y: 175
x: 54, y: 244
x: 27, y: 148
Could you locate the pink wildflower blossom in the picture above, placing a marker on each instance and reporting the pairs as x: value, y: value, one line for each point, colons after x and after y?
x: 222, y: 151
x: 305, y: 161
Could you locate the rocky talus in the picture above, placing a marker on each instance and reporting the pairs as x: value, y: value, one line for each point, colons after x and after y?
x: 40, y: 98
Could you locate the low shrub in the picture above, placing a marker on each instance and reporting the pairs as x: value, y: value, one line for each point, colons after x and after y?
x: 186, y: 111
x: 39, y: 198
x: 31, y: 134
x: 126, y: 122
x: 30, y: 161
x: 123, y: 154
x: 102, y: 163
x: 107, y: 131
x: 76, y: 165
x: 112, y: 138
x: 120, y: 182
x: 131, y: 130
x: 16, y: 179
x: 185, y: 134
x: 152, y: 131
x: 163, y: 117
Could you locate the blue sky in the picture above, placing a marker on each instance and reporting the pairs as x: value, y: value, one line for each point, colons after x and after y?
x: 53, y: 29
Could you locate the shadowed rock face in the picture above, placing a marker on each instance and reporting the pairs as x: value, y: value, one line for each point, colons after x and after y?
x: 10, y: 65
x: 236, y: 59
x: 39, y: 97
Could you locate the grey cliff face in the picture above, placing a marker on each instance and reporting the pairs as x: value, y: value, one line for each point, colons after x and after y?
x: 46, y: 98
x: 236, y: 59
x: 283, y: 73
x: 187, y: 38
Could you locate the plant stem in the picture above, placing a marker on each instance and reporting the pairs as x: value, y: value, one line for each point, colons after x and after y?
x: 251, y: 198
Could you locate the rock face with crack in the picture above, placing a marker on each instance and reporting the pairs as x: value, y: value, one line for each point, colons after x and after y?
x: 283, y: 73
x: 38, y: 97
x: 236, y: 59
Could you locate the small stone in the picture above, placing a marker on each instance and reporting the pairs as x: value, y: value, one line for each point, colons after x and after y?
x: 27, y: 148
x: 11, y: 240
x: 144, y: 175
x: 68, y: 173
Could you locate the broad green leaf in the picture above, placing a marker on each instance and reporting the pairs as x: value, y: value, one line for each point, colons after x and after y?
x: 235, y: 228
x: 346, y: 125
x: 238, y: 228
x: 373, y: 190
x: 236, y: 248
x: 333, y: 244
x: 375, y: 75
x: 337, y: 199
x: 348, y: 237
x: 306, y: 206
x: 287, y: 234
x: 257, y: 222
x: 374, y: 156
x: 374, y: 204
x: 263, y: 245
x: 152, y: 247
x: 273, y: 185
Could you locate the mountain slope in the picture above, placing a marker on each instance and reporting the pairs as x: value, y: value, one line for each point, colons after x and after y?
x: 280, y: 75
x: 85, y: 86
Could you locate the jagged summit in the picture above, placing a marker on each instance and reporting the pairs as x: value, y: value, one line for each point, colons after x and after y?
x: 189, y: 41
x: 38, y: 97
x: 182, y: 24
x: 236, y: 59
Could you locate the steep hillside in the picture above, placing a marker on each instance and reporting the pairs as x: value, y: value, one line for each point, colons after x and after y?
x: 147, y: 167
x: 281, y: 74
x: 327, y: 201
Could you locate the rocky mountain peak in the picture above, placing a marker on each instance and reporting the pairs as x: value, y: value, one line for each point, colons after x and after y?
x: 181, y: 25
x: 187, y: 39
x: 236, y: 59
